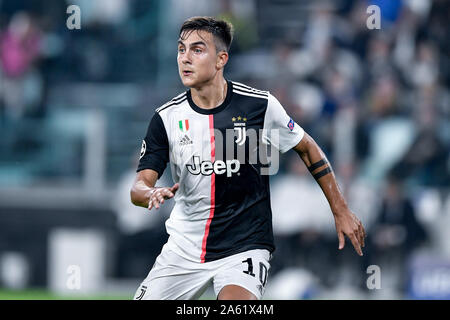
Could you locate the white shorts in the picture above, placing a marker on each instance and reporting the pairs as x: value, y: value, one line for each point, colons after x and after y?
x: 176, y: 278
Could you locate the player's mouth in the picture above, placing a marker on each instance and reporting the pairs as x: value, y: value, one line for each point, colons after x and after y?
x: 187, y: 73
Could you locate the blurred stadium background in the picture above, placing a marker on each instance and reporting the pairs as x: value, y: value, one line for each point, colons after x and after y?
x: 75, y: 104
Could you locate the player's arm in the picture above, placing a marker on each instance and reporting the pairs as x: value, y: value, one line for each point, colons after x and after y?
x: 152, y: 162
x: 346, y: 222
x: 145, y: 194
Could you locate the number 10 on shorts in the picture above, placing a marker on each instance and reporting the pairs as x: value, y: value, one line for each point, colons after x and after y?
x: 262, y: 270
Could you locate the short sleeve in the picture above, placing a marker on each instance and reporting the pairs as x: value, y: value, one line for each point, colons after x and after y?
x: 279, y: 129
x: 155, y: 147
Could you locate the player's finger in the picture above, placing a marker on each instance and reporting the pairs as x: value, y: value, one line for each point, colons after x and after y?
x: 175, y: 187
x: 356, y: 244
x: 155, y: 202
x: 357, y: 235
x: 167, y: 194
x: 362, y: 233
x: 160, y: 197
x: 357, y: 231
x: 341, y: 240
x: 151, y: 203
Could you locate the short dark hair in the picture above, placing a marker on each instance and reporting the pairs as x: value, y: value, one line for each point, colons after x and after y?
x: 221, y: 30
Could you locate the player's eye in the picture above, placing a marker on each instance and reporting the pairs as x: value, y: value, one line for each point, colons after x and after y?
x: 197, y: 50
x: 181, y: 50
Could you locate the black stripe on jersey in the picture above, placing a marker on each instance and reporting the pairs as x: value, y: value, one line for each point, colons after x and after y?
x: 255, y: 94
x: 171, y: 104
x: 242, y: 215
x: 181, y: 96
x: 176, y: 99
x: 242, y: 86
x: 250, y: 91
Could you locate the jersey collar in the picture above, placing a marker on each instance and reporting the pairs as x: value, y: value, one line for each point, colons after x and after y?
x: 215, y: 110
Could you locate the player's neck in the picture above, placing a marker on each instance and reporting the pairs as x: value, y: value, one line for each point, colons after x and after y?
x: 210, y: 95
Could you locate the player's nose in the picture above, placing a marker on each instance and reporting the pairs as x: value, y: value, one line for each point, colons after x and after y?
x: 186, y: 58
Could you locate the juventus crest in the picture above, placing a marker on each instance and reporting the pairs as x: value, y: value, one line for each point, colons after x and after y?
x: 240, y: 128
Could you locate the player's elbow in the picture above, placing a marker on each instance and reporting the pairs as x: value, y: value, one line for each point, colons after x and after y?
x: 305, y: 145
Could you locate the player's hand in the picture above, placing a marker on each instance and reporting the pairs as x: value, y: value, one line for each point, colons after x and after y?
x: 158, y: 195
x: 348, y: 224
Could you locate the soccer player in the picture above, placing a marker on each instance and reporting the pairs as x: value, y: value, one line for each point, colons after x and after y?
x: 220, y: 229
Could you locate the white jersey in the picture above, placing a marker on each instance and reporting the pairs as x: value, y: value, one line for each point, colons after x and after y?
x: 223, y: 204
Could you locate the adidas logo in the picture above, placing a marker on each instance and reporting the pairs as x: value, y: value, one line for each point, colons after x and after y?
x: 185, y: 141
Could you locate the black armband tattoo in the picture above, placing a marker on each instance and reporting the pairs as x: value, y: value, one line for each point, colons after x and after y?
x: 322, y: 173
x: 318, y: 164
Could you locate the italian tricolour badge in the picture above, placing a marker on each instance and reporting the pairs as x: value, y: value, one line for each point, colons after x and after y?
x: 183, y: 125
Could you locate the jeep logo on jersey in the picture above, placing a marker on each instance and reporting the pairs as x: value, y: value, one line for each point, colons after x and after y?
x: 207, y: 167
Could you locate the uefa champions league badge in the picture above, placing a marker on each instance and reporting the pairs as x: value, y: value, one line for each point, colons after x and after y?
x: 291, y: 124
x: 143, y: 149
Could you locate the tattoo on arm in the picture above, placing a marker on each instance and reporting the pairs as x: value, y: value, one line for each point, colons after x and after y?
x: 322, y: 173
x: 317, y: 165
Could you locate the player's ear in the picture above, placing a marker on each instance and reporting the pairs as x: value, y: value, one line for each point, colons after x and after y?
x: 222, y: 59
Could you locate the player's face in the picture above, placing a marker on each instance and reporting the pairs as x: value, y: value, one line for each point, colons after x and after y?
x: 198, y: 61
